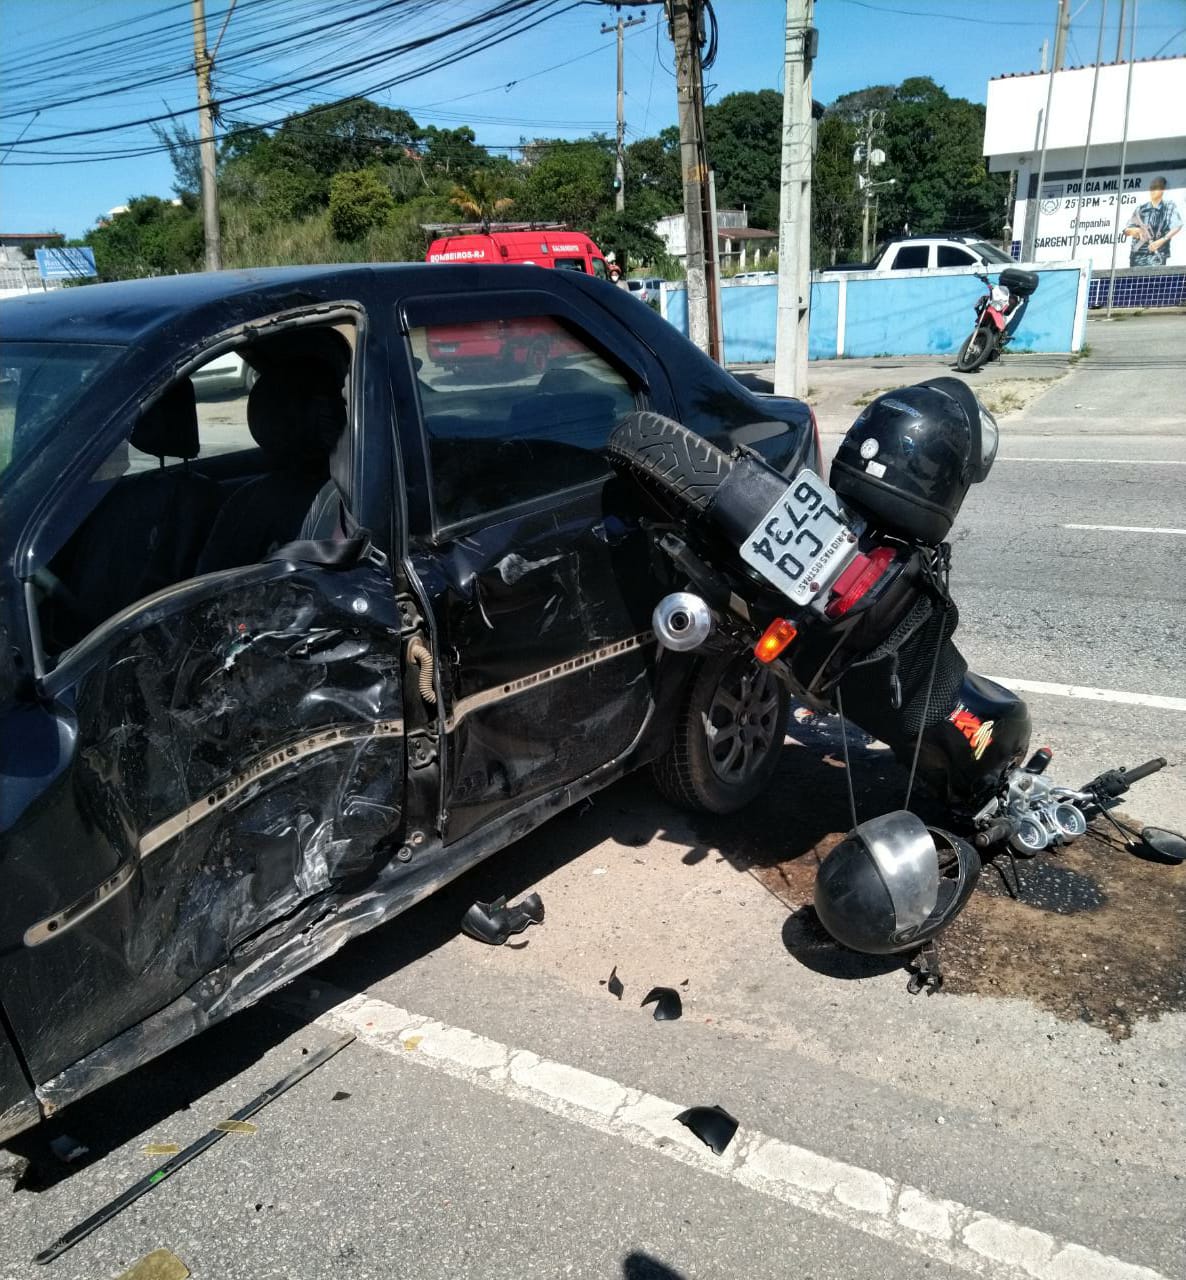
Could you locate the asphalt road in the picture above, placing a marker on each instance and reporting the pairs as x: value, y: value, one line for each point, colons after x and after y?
x: 503, y: 1115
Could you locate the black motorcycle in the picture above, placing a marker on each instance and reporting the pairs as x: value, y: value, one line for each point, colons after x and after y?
x: 841, y: 589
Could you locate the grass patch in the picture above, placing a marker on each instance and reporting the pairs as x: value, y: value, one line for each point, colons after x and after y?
x: 867, y: 397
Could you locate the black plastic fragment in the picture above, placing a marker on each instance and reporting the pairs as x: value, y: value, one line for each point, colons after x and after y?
x: 668, y: 1005
x: 340, y: 1096
x: 494, y: 922
x: 714, y: 1126
x: 614, y: 984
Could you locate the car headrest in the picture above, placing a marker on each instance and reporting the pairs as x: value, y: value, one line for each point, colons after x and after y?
x: 296, y: 417
x: 168, y: 428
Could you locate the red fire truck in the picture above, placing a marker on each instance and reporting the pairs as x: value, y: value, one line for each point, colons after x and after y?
x: 530, y: 343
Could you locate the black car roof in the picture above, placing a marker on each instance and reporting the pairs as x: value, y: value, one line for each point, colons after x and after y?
x: 124, y: 311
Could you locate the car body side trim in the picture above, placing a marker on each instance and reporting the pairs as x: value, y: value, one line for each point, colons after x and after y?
x: 499, y: 692
x: 260, y: 767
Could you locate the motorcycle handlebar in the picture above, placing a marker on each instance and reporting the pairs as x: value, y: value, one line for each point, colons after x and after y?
x: 1144, y: 770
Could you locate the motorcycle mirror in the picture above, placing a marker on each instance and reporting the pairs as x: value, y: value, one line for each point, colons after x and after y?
x: 1168, y: 845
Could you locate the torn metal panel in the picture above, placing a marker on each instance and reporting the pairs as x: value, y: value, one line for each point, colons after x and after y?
x: 318, y: 930
x: 232, y: 761
x: 544, y: 623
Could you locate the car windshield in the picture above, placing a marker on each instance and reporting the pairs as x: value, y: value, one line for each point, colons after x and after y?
x: 39, y: 382
x: 990, y: 253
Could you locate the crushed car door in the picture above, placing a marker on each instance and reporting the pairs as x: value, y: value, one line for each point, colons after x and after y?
x: 197, y: 777
x: 540, y: 594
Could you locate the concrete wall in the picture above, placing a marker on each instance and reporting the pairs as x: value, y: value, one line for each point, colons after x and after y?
x: 897, y: 313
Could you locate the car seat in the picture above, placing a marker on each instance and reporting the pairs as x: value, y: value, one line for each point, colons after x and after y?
x: 296, y: 416
x: 147, y: 531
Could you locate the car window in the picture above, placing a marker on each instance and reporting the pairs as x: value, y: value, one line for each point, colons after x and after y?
x: 990, y: 253
x: 39, y: 382
x: 191, y: 490
x: 512, y: 410
x: 570, y: 264
x: 912, y: 257
x: 950, y: 256
x: 599, y: 269
x: 221, y: 386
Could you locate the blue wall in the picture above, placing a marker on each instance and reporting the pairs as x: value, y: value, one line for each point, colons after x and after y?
x: 750, y: 313
x: 903, y: 313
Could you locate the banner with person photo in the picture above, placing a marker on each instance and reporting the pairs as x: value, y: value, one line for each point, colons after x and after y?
x: 1144, y: 219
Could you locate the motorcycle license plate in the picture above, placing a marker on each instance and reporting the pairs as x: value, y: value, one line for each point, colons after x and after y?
x: 802, y: 542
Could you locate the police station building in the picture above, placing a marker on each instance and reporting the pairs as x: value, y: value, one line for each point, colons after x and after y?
x: 1128, y: 212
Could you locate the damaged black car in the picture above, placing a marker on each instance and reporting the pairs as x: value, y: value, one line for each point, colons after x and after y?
x: 282, y: 652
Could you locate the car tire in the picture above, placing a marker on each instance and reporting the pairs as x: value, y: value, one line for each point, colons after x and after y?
x: 727, y: 738
x: 675, y: 465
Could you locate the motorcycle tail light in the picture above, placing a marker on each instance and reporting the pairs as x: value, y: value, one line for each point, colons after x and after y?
x: 775, y: 639
x: 858, y: 580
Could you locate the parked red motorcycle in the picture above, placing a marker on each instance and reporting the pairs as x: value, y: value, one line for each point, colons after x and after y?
x: 993, y: 313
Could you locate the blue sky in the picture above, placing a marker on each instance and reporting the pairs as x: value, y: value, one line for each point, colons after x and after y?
x: 504, y: 94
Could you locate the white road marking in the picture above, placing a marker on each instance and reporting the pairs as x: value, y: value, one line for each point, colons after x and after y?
x: 944, y: 1230
x: 1136, y: 462
x: 1157, y: 700
x: 1124, y: 528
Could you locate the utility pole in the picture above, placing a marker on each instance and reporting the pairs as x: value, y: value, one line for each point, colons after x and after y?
x: 1120, y: 34
x: 1061, y: 31
x: 794, y: 205
x: 203, y: 62
x: 869, y: 157
x: 703, y: 321
x: 619, y: 164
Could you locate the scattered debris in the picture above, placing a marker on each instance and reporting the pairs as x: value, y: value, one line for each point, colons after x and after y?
x: 14, y: 1169
x: 613, y: 984
x: 494, y: 922
x: 115, y: 1207
x: 160, y: 1149
x: 668, y: 1005
x: 160, y: 1264
x: 236, y: 1126
x: 340, y: 1096
x: 714, y: 1126
x: 68, y: 1150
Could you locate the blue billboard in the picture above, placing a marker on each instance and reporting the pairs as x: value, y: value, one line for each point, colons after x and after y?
x: 66, y: 264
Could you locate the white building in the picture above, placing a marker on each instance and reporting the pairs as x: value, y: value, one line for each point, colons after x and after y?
x: 739, y: 244
x: 1063, y: 222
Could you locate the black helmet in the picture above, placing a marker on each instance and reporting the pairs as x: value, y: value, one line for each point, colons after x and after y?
x: 893, y: 883
x: 908, y: 460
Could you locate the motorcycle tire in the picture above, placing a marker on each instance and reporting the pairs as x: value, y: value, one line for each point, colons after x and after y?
x: 977, y: 350
x: 679, y: 468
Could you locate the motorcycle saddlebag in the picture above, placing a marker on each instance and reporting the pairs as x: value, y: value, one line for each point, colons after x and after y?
x: 1022, y: 283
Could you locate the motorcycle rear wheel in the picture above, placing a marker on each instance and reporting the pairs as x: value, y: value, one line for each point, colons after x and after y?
x: 676, y: 466
x: 978, y: 347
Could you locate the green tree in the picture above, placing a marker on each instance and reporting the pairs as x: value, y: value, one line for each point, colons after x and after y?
x: 154, y: 237
x: 630, y: 234
x: 653, y: 173
x: 568, y: 182
x: 358, y: 201
x: 933, y: 144
x: 835, y: 201
x: 483, y: 197
x: 351, y: 135
x: 744, y: 140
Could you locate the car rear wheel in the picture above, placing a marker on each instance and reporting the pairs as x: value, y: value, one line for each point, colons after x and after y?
x: 727, y: 738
